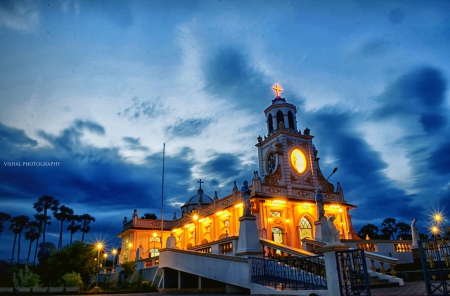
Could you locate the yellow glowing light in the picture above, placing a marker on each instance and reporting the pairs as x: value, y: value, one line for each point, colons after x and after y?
x: 279, y: 202
x: 195, y: 217
x: 438, y: 217
x: 105, y: 255
x: 99, y: 246
x: 154, y: 234
x: 219, y: 213
x: 287, y: 220
x: 298, y: 161
x: 130, y: 245
x: 114, y: 251
x: 277, y: 90
x: 340, y: 210
x: 434, y: 229
x: 239, y: 205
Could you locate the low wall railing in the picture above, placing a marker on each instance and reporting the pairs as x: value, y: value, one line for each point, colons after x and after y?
x: 293, y: 273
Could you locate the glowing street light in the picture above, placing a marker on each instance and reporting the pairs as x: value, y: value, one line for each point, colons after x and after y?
x: 438, y: 218
x: 114, y: 253
x: 435, y: 231
x: 105, y: 255
x: 98, y: 246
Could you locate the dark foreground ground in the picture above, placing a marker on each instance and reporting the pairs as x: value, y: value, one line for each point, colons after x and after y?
x: 409, y: 289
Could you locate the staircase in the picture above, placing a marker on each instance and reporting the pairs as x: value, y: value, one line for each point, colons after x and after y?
x: 375, y: 282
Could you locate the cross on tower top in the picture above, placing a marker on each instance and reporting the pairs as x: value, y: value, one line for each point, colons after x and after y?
x: 277, y: 90
x: 200, y: 183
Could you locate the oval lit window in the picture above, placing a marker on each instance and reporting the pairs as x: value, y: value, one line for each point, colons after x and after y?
x: 298, y: 161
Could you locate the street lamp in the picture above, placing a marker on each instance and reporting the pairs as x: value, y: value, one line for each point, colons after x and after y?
x: 130, y: 249
x: 114, y: 253
x: 98, y: 246
x: 105, y: 255
x: 154, y: 241
x: 195, y: 217
x: 435, y: 231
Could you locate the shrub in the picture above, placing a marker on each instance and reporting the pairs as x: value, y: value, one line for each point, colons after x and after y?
x: 72, y: 279
x: 26, y: 278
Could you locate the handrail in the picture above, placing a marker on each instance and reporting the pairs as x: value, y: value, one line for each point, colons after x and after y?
x: 382, y: 259
x: 290, y: 251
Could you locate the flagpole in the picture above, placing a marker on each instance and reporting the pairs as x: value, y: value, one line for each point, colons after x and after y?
x: 162, y: 196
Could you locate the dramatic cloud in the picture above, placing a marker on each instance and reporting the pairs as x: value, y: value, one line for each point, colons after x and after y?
x: 189, y: 127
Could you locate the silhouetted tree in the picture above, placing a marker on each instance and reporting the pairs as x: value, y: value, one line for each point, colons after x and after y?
x: 149, y: 216
x: 371, y: 230
x: 73, y: 226
x: 17, y: 225
x: 32, y: 234
x: 86, y: 219
x: 3, y: 218
x: 62, y: 214
x: 41, y: 219
x: 44, y: 204
x: 404, y: 230
x: 389, y: 228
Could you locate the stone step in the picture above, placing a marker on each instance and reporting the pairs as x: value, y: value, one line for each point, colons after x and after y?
x: 375, y: 282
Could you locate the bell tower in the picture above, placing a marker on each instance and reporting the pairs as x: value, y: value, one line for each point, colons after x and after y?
x: 287, y: 157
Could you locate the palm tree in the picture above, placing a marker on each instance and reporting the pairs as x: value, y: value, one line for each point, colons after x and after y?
x: 86, y: 219
x: 3, y: 218
x: 73, y: 228
x: 41, y: 219
x: 44, y: 204
x: 62, y: 214
x: 17, y: 225
x: 32, y: 234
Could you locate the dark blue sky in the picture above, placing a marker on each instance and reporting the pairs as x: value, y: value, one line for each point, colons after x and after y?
x: 99, y: 87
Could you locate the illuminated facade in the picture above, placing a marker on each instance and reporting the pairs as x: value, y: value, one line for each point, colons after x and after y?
x: 282, y: 197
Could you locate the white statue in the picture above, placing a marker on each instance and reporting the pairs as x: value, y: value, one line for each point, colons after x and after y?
x: 245, y: 191
x: 415, y: 234
x: 331, y: 234
x: 320, y: 204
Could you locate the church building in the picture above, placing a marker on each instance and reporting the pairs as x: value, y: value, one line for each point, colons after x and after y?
x: 288, y: 196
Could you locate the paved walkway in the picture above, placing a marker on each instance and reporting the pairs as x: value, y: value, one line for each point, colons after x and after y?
x: 409, y: 289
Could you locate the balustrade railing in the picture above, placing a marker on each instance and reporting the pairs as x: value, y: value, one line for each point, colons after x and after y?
x: 273, y: 250
x: 401, y: 248
x: 292, y: 273
x: 382, y: 260
x: 226, y: 248
x: 368, y: 247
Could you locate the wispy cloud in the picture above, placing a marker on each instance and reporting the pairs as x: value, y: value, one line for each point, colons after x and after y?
x: 19, y: 15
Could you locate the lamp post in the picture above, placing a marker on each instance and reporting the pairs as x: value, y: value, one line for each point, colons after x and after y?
x: 129, y: 247
x: 154, y: 241
x: 195, y: 217
x: 99, y: 246
x: 114, y: 253
x: 105, y: 255
x: 435, y: 231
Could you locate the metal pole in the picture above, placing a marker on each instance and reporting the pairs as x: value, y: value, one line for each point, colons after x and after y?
x: 162, y: 195
x: 98, y: 263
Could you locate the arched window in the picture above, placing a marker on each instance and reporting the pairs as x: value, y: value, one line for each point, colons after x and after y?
x: 305, y: 228
x: 280, y: 117
x: 278, y: 235
x: 291, y: 120
x: 270, y: 123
